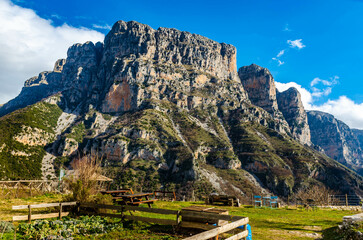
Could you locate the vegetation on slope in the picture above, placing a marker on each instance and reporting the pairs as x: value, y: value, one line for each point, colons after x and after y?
x: 23, y: 136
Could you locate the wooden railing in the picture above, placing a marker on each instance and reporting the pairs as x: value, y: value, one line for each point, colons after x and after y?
x: 202, y: 220
x: 215, y: 224
x: 124, y: 208
x: 34, y: 187
x: 31, y: 216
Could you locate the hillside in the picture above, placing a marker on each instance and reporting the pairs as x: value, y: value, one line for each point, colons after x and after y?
x: 165, y: 108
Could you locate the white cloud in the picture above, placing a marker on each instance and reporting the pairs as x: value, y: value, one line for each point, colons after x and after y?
x: 30, y: 44
x: 342, y: 108
x: 279, y: 61
x: 105, y: 26
x: 281, y: 53
x: 296, y: 43
x: 333, y: 81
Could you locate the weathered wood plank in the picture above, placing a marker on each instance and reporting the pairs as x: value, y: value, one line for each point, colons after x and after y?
x: 69, y: 203
x: 209, y: 216
x: 196, y: 225
x: 39, y: 216
x: 238, y: 236
x: 133, y: 208
x: 111, y: 207
x: 43, y: 205
x: 152, y: 220
x: 152, y: 210
x: 214, y: 232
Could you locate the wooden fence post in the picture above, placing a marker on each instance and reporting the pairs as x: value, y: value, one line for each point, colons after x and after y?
x: 288, y: 200
x: 29, y: 214
x: 328, y: 199
x: 346, y: 200
x: 60, y: 210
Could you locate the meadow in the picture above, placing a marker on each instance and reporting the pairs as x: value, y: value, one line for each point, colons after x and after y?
x: 284, y: 223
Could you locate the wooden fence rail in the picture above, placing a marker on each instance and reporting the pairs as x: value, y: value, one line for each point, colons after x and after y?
x: 31, y: 216
x: 34, y: 187
x: 224, y: 223
x: 204, y: 217
x: 137, y: 218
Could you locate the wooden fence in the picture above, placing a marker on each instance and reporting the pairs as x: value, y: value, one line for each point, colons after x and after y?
x: 201, y: 220
x: 193, y: 219
x: 344, y: 200
x: 31, y: 216
x: 33, y: 187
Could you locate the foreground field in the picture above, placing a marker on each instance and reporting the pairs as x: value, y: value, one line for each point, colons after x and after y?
x: 285, y: 223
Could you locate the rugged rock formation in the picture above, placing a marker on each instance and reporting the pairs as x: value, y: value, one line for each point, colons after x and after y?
x: 336, y: 138
x: 163, y: 108
x: 290, y: 104
x: 359, y: 134
x: 261, y: 89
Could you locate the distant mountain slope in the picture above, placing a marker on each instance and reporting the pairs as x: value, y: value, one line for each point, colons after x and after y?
x: 336, y: 138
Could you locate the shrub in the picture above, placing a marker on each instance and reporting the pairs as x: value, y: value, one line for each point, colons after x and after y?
x: 105, y: 199
x: 83, y: 183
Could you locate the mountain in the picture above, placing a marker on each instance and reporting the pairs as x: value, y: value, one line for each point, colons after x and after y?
x: 336, y: 139
x: 165, y: 108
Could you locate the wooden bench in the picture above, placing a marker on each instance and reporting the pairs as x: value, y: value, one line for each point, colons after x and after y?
x: 225, y: 199
x: 136, y: 199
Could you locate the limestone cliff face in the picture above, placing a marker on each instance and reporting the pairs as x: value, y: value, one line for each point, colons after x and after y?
x: 359, y: 134
x: 290, y: 104
x: 261, y: 89
x: 140, y: 64
x: 336, y: 138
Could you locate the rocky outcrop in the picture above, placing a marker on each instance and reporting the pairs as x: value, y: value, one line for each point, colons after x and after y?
x: 336, y: 138
x: 140, y: 64
x: 261, y: 89
x: 359, y: 134
x: 290, y: 104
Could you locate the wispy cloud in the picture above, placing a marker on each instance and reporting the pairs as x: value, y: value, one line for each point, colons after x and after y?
x: 279, y: 61
x: 321, y: 87
x: 287, y: 28
x: 281, y: 53
x: 316, y: 81
x: 296, y: 43
x: 105, y: 26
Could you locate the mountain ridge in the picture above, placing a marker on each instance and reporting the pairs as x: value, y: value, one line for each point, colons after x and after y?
x: 166, y: 108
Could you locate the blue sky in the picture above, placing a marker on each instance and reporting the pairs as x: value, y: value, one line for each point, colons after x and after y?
x: 315, y: 46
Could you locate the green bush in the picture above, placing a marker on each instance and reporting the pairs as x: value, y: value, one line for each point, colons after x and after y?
x: 67, y: 228
x: 104, y: 199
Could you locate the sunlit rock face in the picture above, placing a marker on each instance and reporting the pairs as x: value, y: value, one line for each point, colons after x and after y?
x: 290, y: 104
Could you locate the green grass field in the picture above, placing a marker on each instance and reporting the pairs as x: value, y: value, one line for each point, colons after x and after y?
x: 283, y: 223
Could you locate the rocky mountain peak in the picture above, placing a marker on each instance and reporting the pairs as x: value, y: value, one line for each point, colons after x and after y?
x: 260, y: 86
x: 261, y: 89
x: 291, y: 106
x: 58, y: 66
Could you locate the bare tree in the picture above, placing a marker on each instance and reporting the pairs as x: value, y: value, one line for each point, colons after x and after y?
x: 83, y: 181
